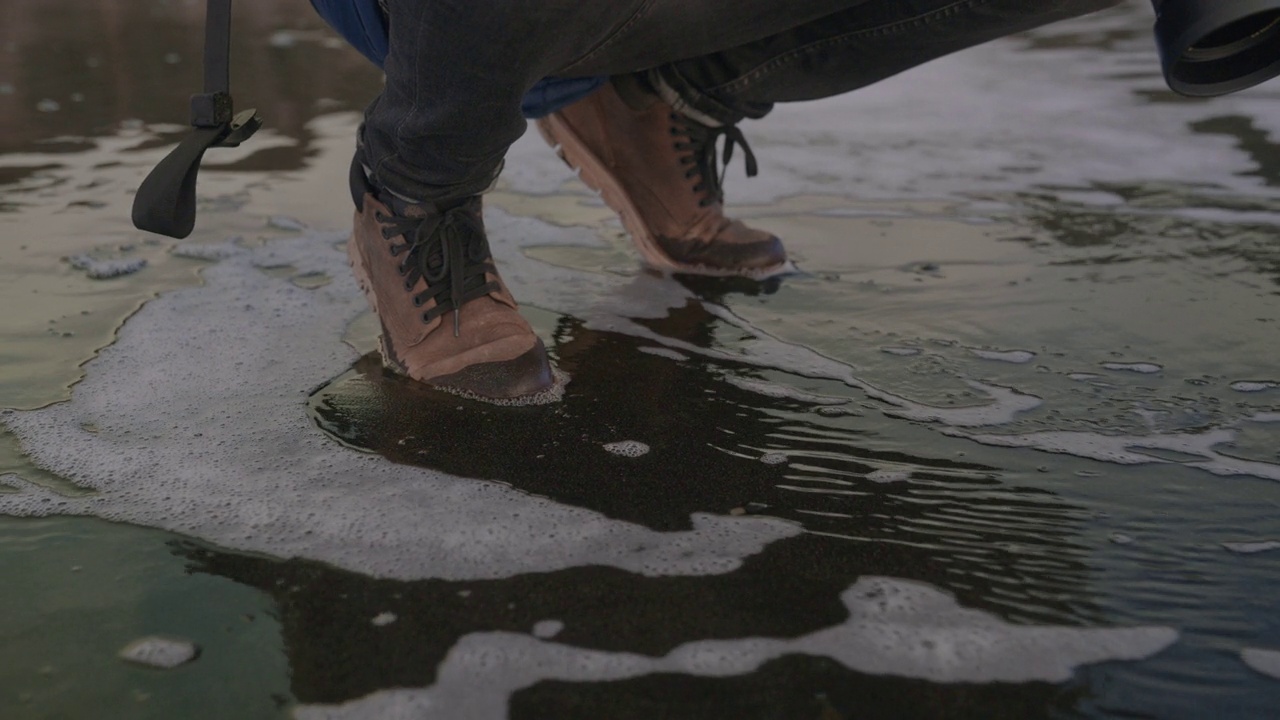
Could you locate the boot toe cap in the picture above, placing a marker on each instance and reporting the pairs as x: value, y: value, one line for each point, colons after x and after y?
x: 526, y: 374
x: 760, y: 253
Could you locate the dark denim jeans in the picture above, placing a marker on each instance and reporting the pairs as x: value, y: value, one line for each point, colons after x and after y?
x: 458, y: 68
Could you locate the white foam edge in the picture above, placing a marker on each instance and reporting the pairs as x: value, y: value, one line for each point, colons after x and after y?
x: 627, y: 448
x: 207, y: 434
x: 895, y: 627
x: 1263, y: 661
x: 1127, y: 449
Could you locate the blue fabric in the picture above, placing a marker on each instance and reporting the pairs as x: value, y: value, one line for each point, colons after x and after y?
x: 361, y: 23
x: 551, y: 94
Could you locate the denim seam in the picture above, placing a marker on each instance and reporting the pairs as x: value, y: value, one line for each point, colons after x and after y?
x: 612, y: 39
x: 417, y: 92
x: 750, y: 77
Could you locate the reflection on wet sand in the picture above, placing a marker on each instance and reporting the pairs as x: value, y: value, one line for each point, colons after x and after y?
x: 105, y: 61
x: 1251, y: 139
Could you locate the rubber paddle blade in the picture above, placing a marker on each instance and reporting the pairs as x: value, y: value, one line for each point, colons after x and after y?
x: 166, y: 200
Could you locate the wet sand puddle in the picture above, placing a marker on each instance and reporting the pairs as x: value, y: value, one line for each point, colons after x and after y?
x: 1005, y: 446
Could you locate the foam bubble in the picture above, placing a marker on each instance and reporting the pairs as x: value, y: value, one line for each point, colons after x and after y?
x: 895, y: 627
x: 160, y: 652
x: 1017, y: 357
x: 206, y: 251
x: 1251, y: 386
x: 773, y: 458
x: 1143, y: 368
x: 547, y: 629
x: 901, y: 351
x: 627, y: 448
x: 553, y: 393
x: 103, y: 269
x: 383, y: 619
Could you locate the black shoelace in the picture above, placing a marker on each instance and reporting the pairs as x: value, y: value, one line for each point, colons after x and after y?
x: 447, y: 249
x: 701, y: 146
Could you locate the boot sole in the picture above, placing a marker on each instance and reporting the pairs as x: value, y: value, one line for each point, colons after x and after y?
x: 596, y: 176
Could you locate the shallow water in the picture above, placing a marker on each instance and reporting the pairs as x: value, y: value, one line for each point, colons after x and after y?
x: 1005, y: 447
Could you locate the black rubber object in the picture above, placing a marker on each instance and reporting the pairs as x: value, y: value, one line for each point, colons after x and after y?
x: 166, y: 201
x: 1215, y: 47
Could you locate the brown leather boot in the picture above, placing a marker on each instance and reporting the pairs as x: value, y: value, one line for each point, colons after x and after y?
x: 447, y: 318
x: 657, y: 169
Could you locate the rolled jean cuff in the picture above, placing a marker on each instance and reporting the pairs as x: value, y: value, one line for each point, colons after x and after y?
x: 385, y: 175
x: 689, y: 97
x: 388, y: 171
x: 412, y: 191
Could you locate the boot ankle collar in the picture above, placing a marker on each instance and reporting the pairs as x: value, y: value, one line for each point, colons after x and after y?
x: 677, y: 103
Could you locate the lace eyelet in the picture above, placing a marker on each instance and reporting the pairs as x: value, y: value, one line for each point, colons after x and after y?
x: 379, y: 216
x: 403, y: 270
x: 426, y: 318
x: 417, y: 302
x: 408, y: 287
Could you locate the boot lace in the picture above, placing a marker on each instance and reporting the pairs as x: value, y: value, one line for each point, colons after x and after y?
x: 700, y: 158
x: 450, y: 251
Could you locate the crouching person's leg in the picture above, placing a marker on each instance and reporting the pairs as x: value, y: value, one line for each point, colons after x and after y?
x: 431, y: 144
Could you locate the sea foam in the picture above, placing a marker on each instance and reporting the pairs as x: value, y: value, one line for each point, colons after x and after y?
x: 895, y: 627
